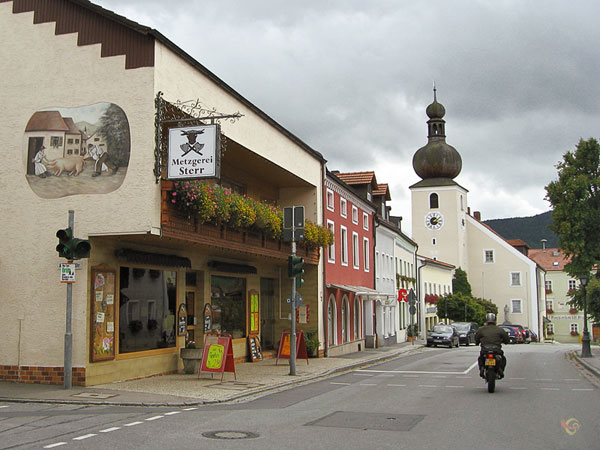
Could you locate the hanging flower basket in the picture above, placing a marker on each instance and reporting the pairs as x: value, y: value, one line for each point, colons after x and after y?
x: 573, y: 311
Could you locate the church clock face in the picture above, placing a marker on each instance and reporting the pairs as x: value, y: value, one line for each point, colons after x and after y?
x: 434, y: 221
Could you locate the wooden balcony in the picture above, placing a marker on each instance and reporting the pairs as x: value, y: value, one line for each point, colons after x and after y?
x: 177, y: 226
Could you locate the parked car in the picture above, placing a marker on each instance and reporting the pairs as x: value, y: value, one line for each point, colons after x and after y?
x: 523, y: 337
x: 533, y: 335
x: 514, y: 336
x: 524, y: 332
x: 443, y: 335
x: 466, y: 332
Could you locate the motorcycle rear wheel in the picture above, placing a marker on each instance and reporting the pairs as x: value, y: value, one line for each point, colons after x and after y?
x: 491, y: 379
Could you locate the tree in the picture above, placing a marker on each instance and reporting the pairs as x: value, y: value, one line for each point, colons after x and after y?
x: 487, y: 305
x: 459, y: 307
x: 575, y: 198
x: 114, y: 129
x: 460, y: 283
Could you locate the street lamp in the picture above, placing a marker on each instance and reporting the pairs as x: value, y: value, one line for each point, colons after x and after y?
x: 585, y: 340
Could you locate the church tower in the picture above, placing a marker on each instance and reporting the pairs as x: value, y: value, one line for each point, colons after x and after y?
x: 439, y: 204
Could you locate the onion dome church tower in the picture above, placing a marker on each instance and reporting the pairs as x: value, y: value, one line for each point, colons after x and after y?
x: 438, y: 202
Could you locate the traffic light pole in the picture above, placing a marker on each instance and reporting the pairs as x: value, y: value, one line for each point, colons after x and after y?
x: 293, y: 327
x: 68, y: 362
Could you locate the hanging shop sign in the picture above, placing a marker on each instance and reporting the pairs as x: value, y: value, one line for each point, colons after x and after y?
x: 194, y: 152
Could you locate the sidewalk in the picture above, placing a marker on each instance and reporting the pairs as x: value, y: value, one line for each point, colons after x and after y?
x: 592, y: 365
x: 185, y: 390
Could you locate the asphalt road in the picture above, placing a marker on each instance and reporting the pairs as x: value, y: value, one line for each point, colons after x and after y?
x: 430, y: 400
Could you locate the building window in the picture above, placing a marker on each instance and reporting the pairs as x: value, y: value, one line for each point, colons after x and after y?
x: 147, y: 308
x: 434, y: 201
x: 516, y: 306
x: 345, y: 320
x: 354, y: 215
x: 366, y: 253
x: 355, y: 250
x: 331, y: 248
x: 365, y: 221
x: 515, y: 278
x: 549, y: 305
x: 550, y: 328
x: 228, y: 298
x: 572, y: 285
x: 343, y: 207
x: 548, y: 284
x: 574, y: 328
x: 488, y: 256
x: 344, y: 244
x: 356, y: 331
x: 462, y: 206
x: 56, y: 141
x: 330, y: 202
x: 331, y: 322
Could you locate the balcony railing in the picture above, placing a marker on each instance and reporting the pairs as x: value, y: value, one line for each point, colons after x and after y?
x: 177, y: 225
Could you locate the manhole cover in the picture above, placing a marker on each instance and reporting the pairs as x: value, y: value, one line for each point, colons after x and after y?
x: 93, y: 395
x: 371, y: 421
x: 229, y: 434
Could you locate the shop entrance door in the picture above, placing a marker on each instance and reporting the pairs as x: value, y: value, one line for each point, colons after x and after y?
x: 267, y: 311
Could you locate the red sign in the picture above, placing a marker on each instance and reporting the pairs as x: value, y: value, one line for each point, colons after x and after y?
x: 284, y: 346
x: 217, y: 356
x: 402, y: 295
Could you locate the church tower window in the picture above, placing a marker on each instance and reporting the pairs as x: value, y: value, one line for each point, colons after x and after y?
x: 434, y: 201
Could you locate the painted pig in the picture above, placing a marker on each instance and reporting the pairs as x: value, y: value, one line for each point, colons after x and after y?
x: 71, y: 164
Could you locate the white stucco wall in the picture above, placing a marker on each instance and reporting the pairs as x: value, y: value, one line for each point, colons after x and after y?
x: 40, y: 69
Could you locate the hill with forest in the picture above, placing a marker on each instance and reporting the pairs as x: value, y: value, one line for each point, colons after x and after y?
x: 531, y: 230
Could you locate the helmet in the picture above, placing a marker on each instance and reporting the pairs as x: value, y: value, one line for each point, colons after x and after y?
x: 490, y: 318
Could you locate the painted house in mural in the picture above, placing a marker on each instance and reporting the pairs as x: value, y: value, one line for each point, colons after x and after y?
x: 380, y: 312
x: 161, y: 272
x: 445, y: 230
x: 349, y: 269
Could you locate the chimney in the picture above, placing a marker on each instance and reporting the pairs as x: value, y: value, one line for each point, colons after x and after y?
x: 477, y: 215
x: 544, y: 244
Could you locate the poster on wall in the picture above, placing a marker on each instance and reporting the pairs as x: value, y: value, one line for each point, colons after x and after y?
x: 102, y: 314
x: 193, y: 152
x: 76, y: 150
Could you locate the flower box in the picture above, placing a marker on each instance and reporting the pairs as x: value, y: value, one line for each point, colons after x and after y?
x: 573, y: 311
x: 549, y: 311
x: 574, y: 333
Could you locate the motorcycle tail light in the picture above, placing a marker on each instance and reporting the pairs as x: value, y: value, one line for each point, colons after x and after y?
x: 490, y: 356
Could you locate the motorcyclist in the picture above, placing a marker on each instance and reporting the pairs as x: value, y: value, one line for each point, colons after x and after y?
x: 488, y: 336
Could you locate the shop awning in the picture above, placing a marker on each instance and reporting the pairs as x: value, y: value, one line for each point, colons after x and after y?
x: 364, y: 291
x: 157, y: 259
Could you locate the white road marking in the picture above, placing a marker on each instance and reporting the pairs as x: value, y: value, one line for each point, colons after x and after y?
x: 397, y: 385
x: 367, y: 374
x: 343, y: 384
x: 518, y: 388
x: 514, y: 378
x: 439, y: 376
x: 428, y: 385
x: 550, y: 389
x: 172, y: 412
x: 368, y: 384
x: 455, y: 386
x: 582, y: 389
x: 133, y: 423
x: 543, y: 379
x: 189, y: 409
x: 571, y: 379
x: 85, y: 436
x: 58, y: 444
x: 108, y: 430
x: 150, y: 419
x: 422, y: 372
x: 3, y: 406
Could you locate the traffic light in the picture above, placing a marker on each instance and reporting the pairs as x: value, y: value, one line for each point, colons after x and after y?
x: 71, y: 248
x: 295, y: 269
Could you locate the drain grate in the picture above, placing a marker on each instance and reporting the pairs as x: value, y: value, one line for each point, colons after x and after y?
x: 370, y: 421
x: 93, y: 395
x: 230, y: 434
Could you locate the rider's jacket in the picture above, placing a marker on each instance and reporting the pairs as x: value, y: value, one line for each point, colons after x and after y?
x: 491, y: 334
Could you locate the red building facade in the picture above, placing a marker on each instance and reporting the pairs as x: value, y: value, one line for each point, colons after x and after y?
x: 349, y: 265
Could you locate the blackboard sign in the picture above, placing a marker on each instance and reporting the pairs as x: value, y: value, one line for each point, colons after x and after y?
x: 254, y: 346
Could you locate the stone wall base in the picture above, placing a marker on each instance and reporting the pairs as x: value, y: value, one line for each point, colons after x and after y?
x: 41, y: 375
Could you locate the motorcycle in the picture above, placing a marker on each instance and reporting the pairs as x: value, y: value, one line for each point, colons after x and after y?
x: 492, y: 366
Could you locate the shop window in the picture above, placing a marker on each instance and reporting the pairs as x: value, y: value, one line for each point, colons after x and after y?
x: 147, y: 305
x: 228, y: 298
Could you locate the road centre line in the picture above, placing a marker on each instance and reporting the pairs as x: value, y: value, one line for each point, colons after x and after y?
x: 108, y: 430
x: 517, y: 387
x: 550, y: 389
x: 343, y: 384
x: 455, y: 386
x: 367, y: 384
x: 397, y: 385
x: 190, y: 409
x: 150, y: 419
x: 543, y: 379
x: 428, y: 385
x: 133, y: 423
x: 58, y: 444
x: 85, y: 436
x: 515, y: 378
x: 172, y: 412
x: 582, y: 389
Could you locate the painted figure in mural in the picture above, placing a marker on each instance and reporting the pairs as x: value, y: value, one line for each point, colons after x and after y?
x: 40, y: 162
x: 191, y: 144
x: 101, y: 157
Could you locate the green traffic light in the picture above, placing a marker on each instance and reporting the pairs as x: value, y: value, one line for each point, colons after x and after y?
x: 71, y: 248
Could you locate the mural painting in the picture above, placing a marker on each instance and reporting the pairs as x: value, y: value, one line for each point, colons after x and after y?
x: 81, y: 150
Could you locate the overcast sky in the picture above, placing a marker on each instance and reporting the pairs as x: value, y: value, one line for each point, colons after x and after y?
x: 519, y: 80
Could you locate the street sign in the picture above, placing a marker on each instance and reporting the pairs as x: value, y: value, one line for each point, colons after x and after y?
x: 412, y: 298
x: 67, y: 273
x: 293, y: 223
x: 412, y: 309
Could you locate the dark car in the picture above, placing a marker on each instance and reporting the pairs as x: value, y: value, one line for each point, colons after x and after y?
x: 524, y: 333
x: 466, y: 331
x: 533, y: 334
x: 443, y: 335
x: 513, y: 334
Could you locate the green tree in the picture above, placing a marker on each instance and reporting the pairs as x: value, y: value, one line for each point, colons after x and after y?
x: 487, y: 305
x: 460, y: 283
x: 114, y: 129
x: 460, y: 308
x: 575, y: 199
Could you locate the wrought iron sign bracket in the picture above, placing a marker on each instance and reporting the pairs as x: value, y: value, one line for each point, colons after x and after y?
x: 180, y: 114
